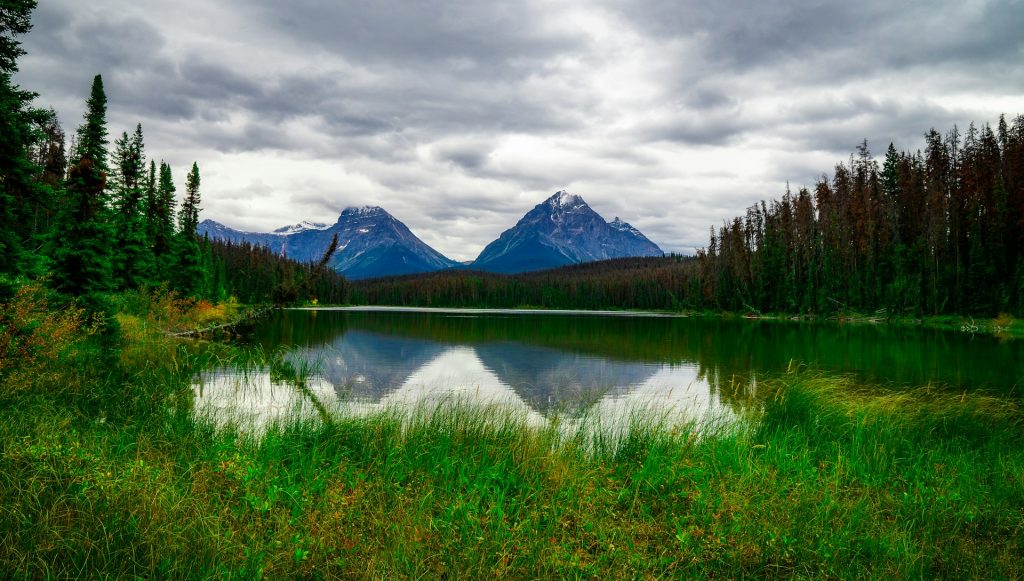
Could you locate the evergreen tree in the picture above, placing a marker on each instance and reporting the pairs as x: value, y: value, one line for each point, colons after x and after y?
x: 188, y: 218
x: 162, y: 218
x: 81, y: 253
x: 18, y: 190
x: 49, y: 154
x: 152, y: 210
x: 92, y: 135
x: 133, y: 254
x: 189, y: 275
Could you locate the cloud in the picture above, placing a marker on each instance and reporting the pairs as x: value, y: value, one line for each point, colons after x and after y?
x: 460, y: 116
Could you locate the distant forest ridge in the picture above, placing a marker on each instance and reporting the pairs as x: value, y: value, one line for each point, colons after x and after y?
x: 932, y: 232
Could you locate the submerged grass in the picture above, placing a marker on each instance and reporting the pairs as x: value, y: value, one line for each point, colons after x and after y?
x: 118, y: 478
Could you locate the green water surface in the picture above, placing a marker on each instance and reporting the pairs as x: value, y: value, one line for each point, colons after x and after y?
x: 572, y: 361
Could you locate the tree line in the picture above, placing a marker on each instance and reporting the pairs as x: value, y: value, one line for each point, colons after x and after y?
x: 624, y: 283
x: 932, y: 232
x: 938, y: 231
x: 96, y: 217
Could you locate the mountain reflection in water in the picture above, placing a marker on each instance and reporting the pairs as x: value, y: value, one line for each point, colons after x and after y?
x: 358, y: 370
x: 575, y: 366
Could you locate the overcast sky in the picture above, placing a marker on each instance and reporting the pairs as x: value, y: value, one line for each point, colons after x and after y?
x: 459, y: 116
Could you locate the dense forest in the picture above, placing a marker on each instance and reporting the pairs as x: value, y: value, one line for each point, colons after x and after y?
x: 627, y: 283
x: 96, y: 217
x: 924, y: 233
x: 939, y: 231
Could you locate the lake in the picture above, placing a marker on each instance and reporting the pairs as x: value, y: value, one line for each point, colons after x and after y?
x: 573, y: 365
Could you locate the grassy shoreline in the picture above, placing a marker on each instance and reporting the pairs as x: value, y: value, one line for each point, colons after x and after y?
x: 1003, y: 326
x: 104, y: 471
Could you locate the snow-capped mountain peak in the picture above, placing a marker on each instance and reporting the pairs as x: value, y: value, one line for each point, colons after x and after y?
x: 362, y: 211
x: 562, y: 230
x: 300, y: 227
x: 565, y: 200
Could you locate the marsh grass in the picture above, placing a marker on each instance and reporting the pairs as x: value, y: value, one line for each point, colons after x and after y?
x: 826, y: 479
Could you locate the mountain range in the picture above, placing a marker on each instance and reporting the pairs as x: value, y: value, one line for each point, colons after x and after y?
x: 371, y: 243
x: 559, y: 231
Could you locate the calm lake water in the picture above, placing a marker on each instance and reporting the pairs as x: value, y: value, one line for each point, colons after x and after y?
x: 576, y: 365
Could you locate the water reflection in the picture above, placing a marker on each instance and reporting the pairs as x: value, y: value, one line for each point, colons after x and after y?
x: 253, y: 400
x: 580, y: 366
x: 360, y: 371
x: 611, y: 393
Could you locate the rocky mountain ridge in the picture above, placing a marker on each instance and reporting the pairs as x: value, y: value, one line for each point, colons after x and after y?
x: 560, y: 230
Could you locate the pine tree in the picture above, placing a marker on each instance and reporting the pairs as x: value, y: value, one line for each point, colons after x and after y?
x: 81, y: 252
x: 18, y: 190
x: 152, y: 210
x: 92, y: 135
x: 49, y: 155
x: 189, y: 273
x: 188, y: 219
x: 133, y: 254
x: 162, y: 219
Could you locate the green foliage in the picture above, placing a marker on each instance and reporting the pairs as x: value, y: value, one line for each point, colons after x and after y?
x: 134, y: 262
x: 81, y: 245
x: 189, y: 272
x: 162, y: 220
x: 18, y: 192
x: 15, y: 19
x: 81, y: 249
x: 827, y: 480
x: 626, y: 283
x: 254, y: 274
x: 188, y: 219
x: 92, y: 135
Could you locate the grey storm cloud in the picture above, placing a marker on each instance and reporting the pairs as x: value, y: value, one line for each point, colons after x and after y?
x: 459, y: 116
x: 493, y: 39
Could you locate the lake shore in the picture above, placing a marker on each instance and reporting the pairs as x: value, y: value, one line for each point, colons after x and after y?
x: 487, y: 311
x: 107, y: 471
x: 1002, y: 326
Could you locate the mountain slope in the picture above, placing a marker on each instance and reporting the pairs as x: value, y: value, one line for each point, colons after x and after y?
x: 562, y: 230
x: 371, y: 242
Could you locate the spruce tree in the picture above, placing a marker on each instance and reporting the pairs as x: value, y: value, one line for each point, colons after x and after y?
x: 189, y: 271
x: 152, y: 210
x: 188, y: 219
x: 82, y: 241
x: 162, y: 222
x: 49, y: 154
x: 92, y: 135
x: 18, y: 190
x: 133, y: 254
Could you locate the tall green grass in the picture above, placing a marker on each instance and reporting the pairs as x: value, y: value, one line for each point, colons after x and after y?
x: 118, y: 478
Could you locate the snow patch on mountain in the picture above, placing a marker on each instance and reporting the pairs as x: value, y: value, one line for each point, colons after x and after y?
x: 362, y: 211
x: 566, y: 201
x: 300, y: 227
x: 622, y: 226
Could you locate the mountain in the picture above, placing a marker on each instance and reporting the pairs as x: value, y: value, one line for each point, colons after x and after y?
x: 218, y: 231
x: 371, y: 243
x: 562, y: 230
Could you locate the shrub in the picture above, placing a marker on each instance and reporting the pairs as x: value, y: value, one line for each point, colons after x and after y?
x: 37, y: 341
